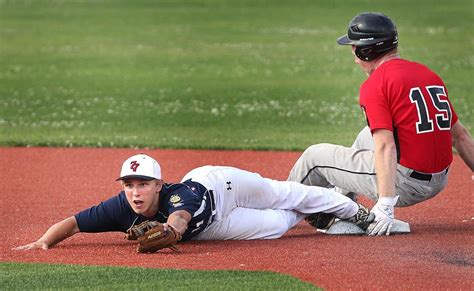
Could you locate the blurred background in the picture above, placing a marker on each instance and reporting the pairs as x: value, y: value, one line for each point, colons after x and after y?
x: 212, y: 74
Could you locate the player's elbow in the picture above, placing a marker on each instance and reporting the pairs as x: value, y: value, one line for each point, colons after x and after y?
x: 386, y: 147
x: 460, y: 136
x: 383, y: 139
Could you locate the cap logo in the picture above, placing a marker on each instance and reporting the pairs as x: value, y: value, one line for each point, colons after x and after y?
x: 134, y: 165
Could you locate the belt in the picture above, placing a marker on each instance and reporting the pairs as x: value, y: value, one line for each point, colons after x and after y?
x: 423, y: 176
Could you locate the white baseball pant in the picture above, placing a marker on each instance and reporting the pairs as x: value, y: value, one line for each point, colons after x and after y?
x: 249, y: 206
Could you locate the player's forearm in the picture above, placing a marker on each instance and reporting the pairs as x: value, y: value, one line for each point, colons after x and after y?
x: 60, y: 231
x: 464, y: 144
x: 179, y: 220
x: 386, y: 167
x: 466, y: 152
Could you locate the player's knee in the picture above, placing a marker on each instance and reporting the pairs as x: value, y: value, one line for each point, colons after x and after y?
x: 278, y: 223
x: 316, y: 150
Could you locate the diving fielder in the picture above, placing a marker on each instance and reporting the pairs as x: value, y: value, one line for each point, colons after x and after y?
x: 210, y: 203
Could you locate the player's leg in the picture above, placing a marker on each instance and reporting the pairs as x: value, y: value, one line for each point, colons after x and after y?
x: 412, y: 190
x: 235, y: 188
x: 240, y: 188
x: 199, y: 173
x: 364, y: 140
x: 246, y: 224
x: 329, y: 165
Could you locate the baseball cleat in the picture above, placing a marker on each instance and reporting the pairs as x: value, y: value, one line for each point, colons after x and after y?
x: 352, y: 196
x: 321, y: 220
x: 363, y: 218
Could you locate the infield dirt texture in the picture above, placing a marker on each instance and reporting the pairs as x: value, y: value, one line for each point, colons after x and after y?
x: 52, y: 183
x: 215, y: 74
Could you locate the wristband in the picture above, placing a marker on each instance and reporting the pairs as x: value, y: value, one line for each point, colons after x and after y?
x: 388, y: 200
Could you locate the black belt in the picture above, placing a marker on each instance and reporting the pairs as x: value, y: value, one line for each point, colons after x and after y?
x: 423, y: 176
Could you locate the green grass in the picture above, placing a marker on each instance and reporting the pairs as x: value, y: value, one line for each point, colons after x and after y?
x: 19, y: 276
x: 206, y: 74
x: 224, y: 74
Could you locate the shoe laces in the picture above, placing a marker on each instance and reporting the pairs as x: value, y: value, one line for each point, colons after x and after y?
x: 362, y: 214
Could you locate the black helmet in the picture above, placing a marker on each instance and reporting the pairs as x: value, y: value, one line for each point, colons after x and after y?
x: 373, y: 34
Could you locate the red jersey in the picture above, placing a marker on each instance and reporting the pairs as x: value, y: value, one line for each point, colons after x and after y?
x: 412, y: 101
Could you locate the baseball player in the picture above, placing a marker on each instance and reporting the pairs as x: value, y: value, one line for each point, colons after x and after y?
x: 402, y: 157
x: 210, y: 203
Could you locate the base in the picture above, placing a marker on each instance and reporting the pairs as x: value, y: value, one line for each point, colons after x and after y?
x: 345, y: 227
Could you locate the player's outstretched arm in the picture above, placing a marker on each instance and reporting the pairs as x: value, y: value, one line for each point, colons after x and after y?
x: 386, y: 167
x: 55, y: 234
x: 463, y: 143
x: 179, y: 220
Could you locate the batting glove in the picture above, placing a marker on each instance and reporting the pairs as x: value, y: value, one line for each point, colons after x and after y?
x: 383, y: 221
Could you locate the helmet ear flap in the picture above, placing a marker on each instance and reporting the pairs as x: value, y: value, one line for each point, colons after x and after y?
x: 371, y: 52
x: 365, y: 53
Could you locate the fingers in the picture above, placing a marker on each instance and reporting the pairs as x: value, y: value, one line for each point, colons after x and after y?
x: 31, y: 246
x: 19, y: 248
x: 389, y: 228
x: 23, y: 248
x: 376, y: 229
x: 383, y: 229
x: 371, y: 228
x: 380, y: 227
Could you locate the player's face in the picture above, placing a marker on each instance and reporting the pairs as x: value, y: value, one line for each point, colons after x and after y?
x: 143, y: 196
x: 367, y: 67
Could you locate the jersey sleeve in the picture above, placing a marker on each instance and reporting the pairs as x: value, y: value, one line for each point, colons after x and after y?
x: 183, y: 198
x: 375, y: 105
x: 454, y: 118
x: 107, y: 216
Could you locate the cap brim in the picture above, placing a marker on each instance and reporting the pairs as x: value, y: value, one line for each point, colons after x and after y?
x: 344, y: 40
x: 145, y: 178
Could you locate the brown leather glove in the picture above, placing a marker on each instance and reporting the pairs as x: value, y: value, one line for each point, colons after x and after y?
x: 157, y: 238
x: 138, y: 230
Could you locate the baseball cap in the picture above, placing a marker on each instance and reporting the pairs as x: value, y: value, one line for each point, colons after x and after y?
x: 140, y: 166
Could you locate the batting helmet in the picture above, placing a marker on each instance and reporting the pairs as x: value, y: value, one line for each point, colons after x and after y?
x: 373, y: 34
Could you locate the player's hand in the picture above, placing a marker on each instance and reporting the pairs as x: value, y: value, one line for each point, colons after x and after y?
x: 384, y: 215
x: 33, y: 245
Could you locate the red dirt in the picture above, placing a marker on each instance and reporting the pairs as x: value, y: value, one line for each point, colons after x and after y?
x: 40, y: 186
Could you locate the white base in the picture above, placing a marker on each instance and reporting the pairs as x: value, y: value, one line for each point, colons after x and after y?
x: 348, y: 228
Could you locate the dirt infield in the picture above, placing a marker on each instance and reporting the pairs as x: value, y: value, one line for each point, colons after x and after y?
x: 43, y: 185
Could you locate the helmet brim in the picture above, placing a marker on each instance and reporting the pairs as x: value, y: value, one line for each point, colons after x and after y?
x: 345, y: 40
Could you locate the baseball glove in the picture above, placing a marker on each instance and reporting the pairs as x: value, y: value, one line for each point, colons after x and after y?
x: 157, y: 238
x: 138, y: 230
